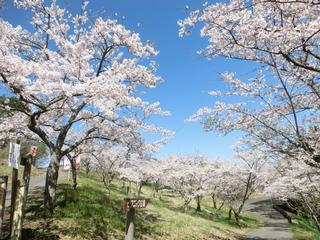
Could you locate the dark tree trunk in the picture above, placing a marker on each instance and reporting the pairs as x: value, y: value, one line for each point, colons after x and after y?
x: 104, y: 180
x: 198, y: 204
x: 230, y: 214
x: 221, y: 205
x: 283, y: 212
x: 214, y: 202
x: 87, y: 169
x: 139, y: 189
x: 186, y: 204
x: 74, y: 173
x: 51, y: 182
x: 155, y: 190
x: 237, y: 217
x: 247, y: 193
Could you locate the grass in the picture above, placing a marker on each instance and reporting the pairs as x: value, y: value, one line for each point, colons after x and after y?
x: 90, y: 212
x: 304, y: 229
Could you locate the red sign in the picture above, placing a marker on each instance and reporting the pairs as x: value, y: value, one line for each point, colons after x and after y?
x: 34, y: 150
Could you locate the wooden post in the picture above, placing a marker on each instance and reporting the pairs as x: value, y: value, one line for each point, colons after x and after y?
x: 14, y: 183
x: 18, y: 213
x: 130, y: 224
x: 3, y: 191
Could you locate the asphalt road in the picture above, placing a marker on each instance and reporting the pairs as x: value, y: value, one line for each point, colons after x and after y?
x: 276, y: 227
x: 35, y: 182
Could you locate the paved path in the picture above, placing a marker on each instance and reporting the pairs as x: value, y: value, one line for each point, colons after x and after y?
x: 276, y: 227
x: 35, y: 182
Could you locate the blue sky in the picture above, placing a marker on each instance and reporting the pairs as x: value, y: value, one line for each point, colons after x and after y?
x: 187, y: 76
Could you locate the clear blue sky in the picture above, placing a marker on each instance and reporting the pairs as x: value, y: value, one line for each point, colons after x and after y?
x: 187, y: 76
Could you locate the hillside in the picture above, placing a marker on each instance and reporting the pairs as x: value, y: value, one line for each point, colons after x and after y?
x: 91, y: 212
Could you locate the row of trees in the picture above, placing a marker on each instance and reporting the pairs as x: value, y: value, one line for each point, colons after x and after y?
x: 278, y: 109
x: 190, y: 177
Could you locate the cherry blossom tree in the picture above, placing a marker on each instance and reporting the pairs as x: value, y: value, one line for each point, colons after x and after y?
x: 297, y: 185
x: 186, y: 175
x: 76, y: 73
x: 249, y: 176
x: 141, y: 170
x: 107, y: 159
x: 279, y: 107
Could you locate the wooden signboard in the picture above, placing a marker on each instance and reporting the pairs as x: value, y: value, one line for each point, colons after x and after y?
x: 135, y: 203
x: 130, y: 204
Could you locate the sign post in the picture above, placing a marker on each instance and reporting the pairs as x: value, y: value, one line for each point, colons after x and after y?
x: 130, y: 205
x: 3, y: 191
x: 130, y: 224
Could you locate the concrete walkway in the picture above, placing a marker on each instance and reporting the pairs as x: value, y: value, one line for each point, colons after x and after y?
x: 35, y: 182
x: 276, y: 227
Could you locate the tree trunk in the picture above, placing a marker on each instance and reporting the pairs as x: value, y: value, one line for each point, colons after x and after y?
x: 186, y: 204
x: 237, y: 217
x: 214, y: 202
x: 283, y: 212
x: 221, y: 205
x: 74, y: 173
x: 185, y: 208
x: 51, y: 182
x: 105, y: 180
x: 311, y: 212
x: 87, y: 169
x: 198, y: 204
x: 230, y: 214
x: 139, y: 189
x: 244, y: 199
x: 315, y: 219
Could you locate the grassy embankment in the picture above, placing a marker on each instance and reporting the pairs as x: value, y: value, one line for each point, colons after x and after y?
x: 90, y: 212
x: 303, y: 229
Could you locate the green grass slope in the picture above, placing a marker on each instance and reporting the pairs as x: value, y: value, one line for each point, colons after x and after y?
x: 91, y: 212
x: 304, y: 229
